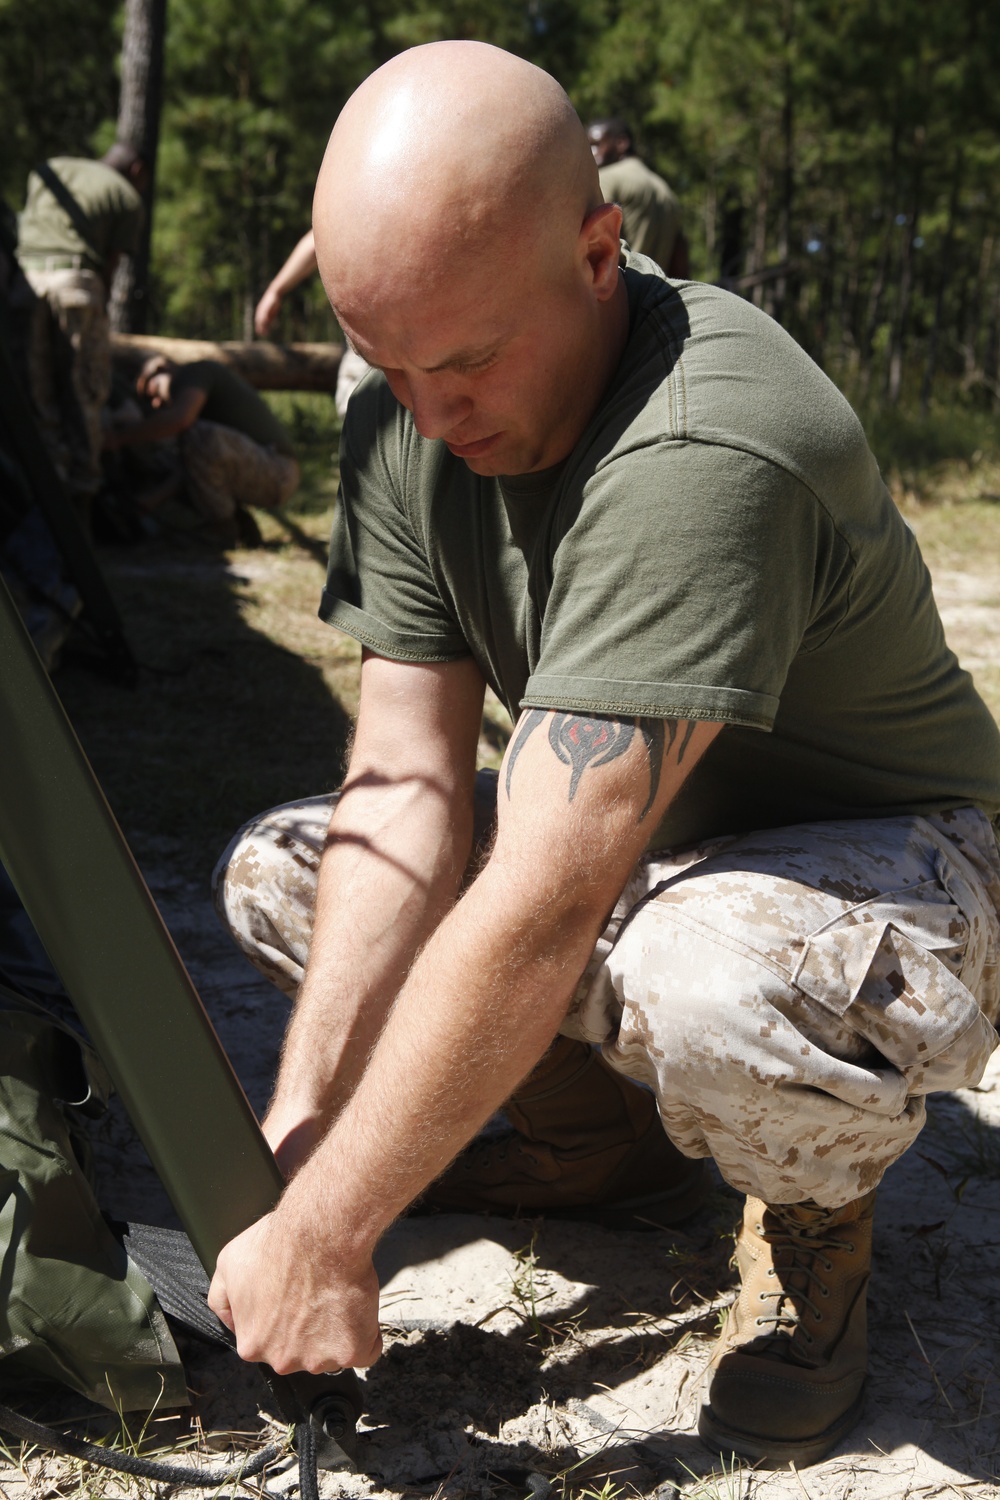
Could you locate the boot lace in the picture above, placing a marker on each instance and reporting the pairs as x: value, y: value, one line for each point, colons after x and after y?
x: 799, y: 1268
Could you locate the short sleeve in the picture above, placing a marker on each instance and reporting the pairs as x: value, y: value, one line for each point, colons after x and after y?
x: 380, y: 585
x: 685, y: 586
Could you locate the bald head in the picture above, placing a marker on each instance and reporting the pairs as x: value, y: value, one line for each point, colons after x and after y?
x: 466, y: 249
x: 450, y: 152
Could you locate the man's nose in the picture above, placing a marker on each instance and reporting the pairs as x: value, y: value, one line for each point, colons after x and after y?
x: 437, y: 407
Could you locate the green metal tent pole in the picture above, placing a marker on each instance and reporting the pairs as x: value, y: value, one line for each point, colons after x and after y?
x: 90, y: 906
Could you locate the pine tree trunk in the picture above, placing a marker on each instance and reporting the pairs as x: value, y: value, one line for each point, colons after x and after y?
x: 139, y: 125
x: 897, y: 346
x: 876, y: 291
x: 973, y: 363
x: 758, y: 250
x: 731, y: 239
x: 944, y: 275
x: 783, y: 292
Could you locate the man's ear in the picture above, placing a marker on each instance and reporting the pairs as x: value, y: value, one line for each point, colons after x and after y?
x: 600, y: 235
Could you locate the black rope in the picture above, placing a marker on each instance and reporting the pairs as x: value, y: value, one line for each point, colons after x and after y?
x: 305, y: 1442
x: 145, y: 1468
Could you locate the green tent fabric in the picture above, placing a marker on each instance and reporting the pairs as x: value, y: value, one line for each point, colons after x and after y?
x: 73, y: 1307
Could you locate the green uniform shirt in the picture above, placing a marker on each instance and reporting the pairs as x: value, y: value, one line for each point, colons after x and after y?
x: 719, y: 545
x: 232, y: 403
x: 90, y: 212
x: 651, y: 214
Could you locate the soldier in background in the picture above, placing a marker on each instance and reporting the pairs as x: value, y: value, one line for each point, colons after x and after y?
x: 233, y: 450
x: 30, y: 562
x: 79, y: 217
x: 651, y: 214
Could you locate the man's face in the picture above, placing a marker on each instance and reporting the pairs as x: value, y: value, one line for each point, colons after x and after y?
x: 489, y: 363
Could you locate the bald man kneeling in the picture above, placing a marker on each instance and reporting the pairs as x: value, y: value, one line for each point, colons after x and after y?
x: 742, y: 835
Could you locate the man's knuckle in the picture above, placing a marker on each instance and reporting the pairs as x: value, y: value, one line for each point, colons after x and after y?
x: 248, y: 1350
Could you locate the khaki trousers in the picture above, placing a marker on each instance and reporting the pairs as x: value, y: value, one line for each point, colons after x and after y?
x: 790, y: 996
x: 69, y: 369
x: 225, y: 469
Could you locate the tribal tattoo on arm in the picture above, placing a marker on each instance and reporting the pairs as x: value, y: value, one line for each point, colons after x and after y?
x: 581, y: 741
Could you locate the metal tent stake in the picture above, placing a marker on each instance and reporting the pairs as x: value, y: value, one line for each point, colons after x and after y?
x: 92, y: 910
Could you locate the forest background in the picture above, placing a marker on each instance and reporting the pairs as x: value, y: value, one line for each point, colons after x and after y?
x: 836, y: 159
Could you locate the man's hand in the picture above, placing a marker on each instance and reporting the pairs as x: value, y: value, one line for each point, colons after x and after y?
x: 300, y: 264
x: 267, y: 310
x: 291, y: 1304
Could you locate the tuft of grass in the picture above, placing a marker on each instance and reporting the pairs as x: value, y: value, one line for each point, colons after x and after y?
x: 608, y: 1491
x: 574, y: 1482
x: 727, y: 1483
x: 527, y: 1294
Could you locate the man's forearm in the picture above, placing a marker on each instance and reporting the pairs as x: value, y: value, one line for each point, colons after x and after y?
x: 300, y: 264
x: 392, y: 868
x: 481, y: 1004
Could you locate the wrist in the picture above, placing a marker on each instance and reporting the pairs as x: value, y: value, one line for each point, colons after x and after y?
x: 292, y: 1135
x: 330, y: 1217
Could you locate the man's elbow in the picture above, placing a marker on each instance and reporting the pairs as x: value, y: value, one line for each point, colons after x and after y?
x: 560, y: 892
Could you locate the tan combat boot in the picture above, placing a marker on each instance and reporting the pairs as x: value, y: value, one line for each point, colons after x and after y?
x: 587, y: 1144
x: 786, y: 1377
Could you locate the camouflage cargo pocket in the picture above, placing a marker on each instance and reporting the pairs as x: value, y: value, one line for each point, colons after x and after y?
x: 890, y: 967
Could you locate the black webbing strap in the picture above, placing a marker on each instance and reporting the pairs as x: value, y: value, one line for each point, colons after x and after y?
x: 69, y: 204
x: 167, y: 1259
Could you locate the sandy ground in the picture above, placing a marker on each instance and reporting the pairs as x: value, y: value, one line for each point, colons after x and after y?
x: 528, y: 1355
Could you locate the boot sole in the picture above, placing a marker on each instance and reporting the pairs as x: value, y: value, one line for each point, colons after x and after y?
x: 776, y: 1453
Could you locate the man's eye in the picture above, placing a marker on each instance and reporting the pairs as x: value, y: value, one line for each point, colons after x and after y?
x: 472, y: 367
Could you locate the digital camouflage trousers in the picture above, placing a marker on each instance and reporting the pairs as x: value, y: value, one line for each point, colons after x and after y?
x: 791, y: 996
x: 224, y: 469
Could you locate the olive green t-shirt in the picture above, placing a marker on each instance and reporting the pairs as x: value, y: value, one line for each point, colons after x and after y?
x: 719, y: 545
x: 87, y: 210
x: 232, y: 403
x: 651, y: 214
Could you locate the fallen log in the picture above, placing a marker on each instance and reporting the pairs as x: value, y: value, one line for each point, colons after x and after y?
x: 267, y: 366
